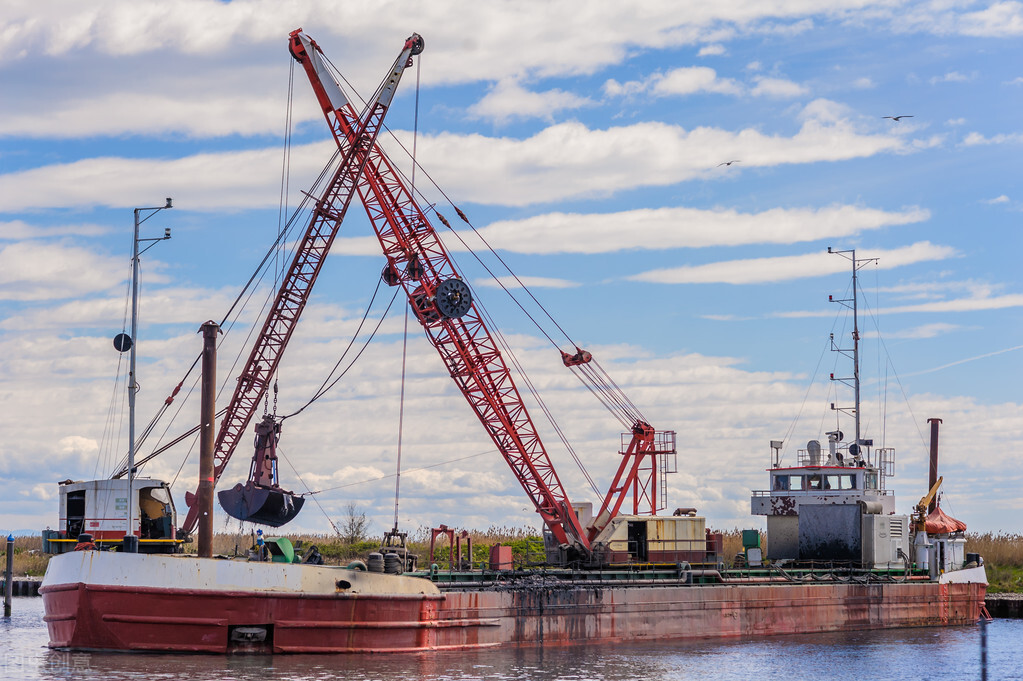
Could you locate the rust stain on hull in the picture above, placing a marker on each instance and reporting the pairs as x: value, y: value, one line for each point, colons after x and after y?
x: 106, y: 617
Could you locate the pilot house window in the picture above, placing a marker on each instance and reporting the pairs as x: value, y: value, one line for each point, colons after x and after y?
x: 785, y: 483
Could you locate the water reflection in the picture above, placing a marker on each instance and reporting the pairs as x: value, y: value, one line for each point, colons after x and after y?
x: 947, y: 653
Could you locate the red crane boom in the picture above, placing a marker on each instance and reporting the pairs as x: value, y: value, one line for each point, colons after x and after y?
x: 442, y: 302
x: 418, y: 262
x: 310, y: 255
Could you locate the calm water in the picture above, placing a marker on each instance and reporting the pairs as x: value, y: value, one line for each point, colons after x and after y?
x: 919, y: 654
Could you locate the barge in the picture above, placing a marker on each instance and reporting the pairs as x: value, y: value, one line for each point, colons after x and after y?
x: 136, y: 602
x: 838, y: 556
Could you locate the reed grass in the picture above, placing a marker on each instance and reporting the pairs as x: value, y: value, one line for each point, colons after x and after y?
x: 29, y: 560
x: 1002, y: 549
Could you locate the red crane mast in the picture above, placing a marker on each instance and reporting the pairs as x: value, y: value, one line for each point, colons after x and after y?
x: 294, y: 291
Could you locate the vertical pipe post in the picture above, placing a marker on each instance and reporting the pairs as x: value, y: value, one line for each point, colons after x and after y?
x: 9, y: 576
x: 983, y: 648
x: 206, y: 437
x: 933, y: 474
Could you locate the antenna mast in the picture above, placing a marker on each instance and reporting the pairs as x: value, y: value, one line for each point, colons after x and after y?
x: 853, y: 304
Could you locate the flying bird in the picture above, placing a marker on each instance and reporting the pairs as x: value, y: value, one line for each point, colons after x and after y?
x: 897, y: 118
x: 727, y: 163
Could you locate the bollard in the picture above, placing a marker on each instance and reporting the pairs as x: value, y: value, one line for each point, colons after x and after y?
x: 8, y: 575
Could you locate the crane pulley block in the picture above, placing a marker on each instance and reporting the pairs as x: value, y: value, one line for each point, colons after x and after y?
x: 580, y: 357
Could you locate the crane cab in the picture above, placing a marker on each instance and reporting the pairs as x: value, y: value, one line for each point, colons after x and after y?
x: 99, y: 509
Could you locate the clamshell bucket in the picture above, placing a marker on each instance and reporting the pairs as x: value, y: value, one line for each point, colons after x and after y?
x: 261, y: 500
x: 263, y: 505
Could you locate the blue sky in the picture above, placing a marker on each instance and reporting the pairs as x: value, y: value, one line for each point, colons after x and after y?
x: 585, y: 141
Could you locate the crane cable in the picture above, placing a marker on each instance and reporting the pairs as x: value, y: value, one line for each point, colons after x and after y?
x: 327, y: 382
x: 598, y: 381
x: 401, y: 419
x: 234, y: 312
x: 282, y: 209
x: 600, y: 388
x: 404, y: 340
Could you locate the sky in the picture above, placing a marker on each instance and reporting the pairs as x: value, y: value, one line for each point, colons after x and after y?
x: 665, y: 178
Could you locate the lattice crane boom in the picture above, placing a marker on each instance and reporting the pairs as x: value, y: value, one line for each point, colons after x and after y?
x: 294, y: 291
x: 442, y: 302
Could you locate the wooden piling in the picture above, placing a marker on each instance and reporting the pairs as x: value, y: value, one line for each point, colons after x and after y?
x: 8, y: 574
x: 206, y: 437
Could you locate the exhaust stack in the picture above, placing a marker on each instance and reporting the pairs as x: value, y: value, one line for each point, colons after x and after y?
x: 933, y: 475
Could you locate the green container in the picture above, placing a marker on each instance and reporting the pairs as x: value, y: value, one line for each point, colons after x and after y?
x: 750, y: 539
x: 281, y: 550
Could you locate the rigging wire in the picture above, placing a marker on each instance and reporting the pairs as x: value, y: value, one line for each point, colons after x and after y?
x: 282, y: 210
x: 240, y: 303
x: 415, y: 136
x: 600, y: 384
x: 328, y: 383
x: 462, y: 215
x: 888, y: 364
x: 404, y: 341
x: 407, y: 470
x: 602, y: 387
x: 809, y: 386
x: 507, y: 349
x: 829, y: 344
x: 274, y: 249
x: 110, y: 439
x: 281, y: 453
x: 401, y: 417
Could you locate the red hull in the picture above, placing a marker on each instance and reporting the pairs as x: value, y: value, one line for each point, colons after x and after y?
x: 83, y: 616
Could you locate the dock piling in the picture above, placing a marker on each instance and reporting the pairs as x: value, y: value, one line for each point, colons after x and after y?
x: 8, y: 576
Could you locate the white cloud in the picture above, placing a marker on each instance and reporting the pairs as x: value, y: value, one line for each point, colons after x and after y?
x: 562, y: 161
x: 31, y: 270
x: 466, y: 41
x: 711, y: 51
x: 976, y: 139
x: 508, y: 100
x: 787, y: 268
x: 863, y: 83
x: 510, y: 282
x: 193, y: 112
x: 43, y: 492
x: 164, y: 305
x: 570, y: 160
x: 77, y: 445
x: 685, y: 80
x: 961, y: 305
x: 955, y: 122
x: 939, y: 290
x: 979, y: 299
x: 951, y: 77
x: 998, y: 199
x: 669, y: 228
x: 778, y: 87
x: 1000, y: 19
x: 19, y: 229
x: 918, y: 332
x: 207, y: 181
